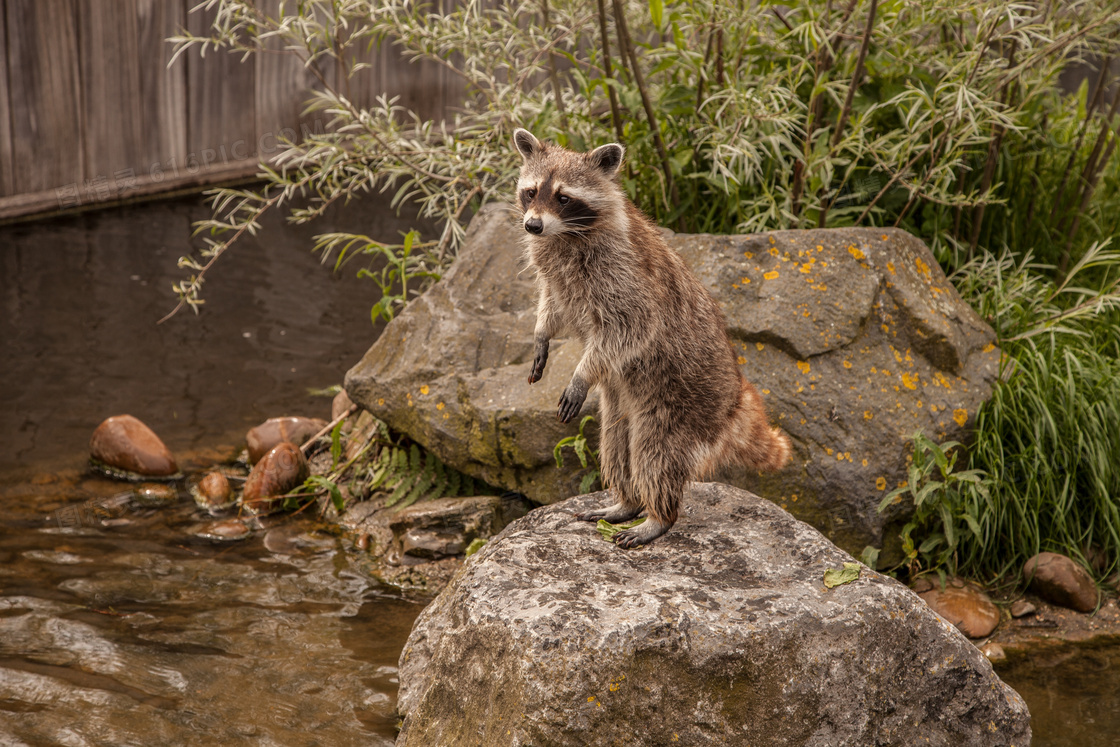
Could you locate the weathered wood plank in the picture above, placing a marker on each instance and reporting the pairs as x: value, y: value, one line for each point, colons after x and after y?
x: 110, y: 84
x: 221, y: 112
x: 43, y: 81
x: 283, y: 86
x: 163, y: 90
x: 7, y: 178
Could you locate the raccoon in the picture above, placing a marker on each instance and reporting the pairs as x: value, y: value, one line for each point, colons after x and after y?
x: 673, y: 404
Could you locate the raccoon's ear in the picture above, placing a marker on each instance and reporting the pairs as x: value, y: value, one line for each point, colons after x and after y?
x: 525, y: 143
x: 607, y: 158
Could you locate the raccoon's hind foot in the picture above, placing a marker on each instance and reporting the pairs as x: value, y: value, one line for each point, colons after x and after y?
x: 643, y: 534
x: 615, y: 513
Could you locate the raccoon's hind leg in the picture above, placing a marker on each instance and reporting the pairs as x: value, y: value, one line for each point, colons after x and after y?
x: 614, y: 460
x: 661, y: 465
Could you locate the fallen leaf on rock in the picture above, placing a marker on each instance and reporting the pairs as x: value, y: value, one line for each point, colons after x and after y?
x: 846, y: 575
x: 609, y: 530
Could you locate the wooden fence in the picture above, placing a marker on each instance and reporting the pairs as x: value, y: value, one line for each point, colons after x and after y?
x: 91, y: 114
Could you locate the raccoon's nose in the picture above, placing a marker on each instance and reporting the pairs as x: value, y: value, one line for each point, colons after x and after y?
x: 534, y: 226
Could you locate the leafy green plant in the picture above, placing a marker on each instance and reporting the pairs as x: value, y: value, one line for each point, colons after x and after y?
x: 945, y: 119
x: 945, y: 510
x: 587, y: 456
x: 1049, y: 438
x: 407, y: 474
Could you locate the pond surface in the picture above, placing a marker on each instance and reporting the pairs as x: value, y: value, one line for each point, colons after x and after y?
x: 123, y: 628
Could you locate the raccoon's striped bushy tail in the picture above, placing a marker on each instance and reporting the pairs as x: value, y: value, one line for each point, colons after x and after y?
x: 750, y: 440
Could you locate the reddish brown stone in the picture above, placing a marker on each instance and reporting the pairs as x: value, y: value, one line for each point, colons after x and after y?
x: 125, y: 444
x: 213, y: 490
x: 1060, y: 581
x: 964, y: 606
x: 280, y: 430
x: 280, y: 471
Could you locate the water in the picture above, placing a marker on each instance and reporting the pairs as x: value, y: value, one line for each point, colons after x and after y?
x: 123, y: 628
x: 1073, y: 693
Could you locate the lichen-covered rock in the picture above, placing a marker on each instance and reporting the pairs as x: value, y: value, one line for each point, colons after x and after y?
x: 1061, y: 581
x: 293, y: 430
x: 854, y: 337
x: 720, y: 632
x: 123, y: 446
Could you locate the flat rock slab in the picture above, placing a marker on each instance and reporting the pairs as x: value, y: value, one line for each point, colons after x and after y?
x: 854, y: 337
x: 720, y: 632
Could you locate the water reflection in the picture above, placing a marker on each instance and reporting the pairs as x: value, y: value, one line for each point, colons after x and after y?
x: 1073, y: 694
x: 140, y: 633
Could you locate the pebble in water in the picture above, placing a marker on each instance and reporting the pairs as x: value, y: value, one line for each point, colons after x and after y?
x: 213, y: 492
x: 281, y: 470
x: 123, y: 447
x: 224, y: 531
x: 155, y: 494
x: 275, y: 431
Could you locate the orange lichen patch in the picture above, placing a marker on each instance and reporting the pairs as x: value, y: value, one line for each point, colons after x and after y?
x: 772, y: 275
x: 885, y: 372
x: 439, y: 405
x: 381, y: 402
x: 855, y: 252
x: 839, y: 457
x: 765, y: 391
x: 933, y: 408
x: 744, y: 281
x: 803, y: 366
x: 960, y: 416
x: 884, y: 237
x: 910, y: 381
x: 867, y: 415
x: 880, y: 483
x: 805, y: 268
x: 771, y: 239
x: 988, y: 348
x: 820, y: 248
x: 828, y: 451
x: 759, y: 345
x: 773, y: 251
x: 748, y: 255
x: 939, y: 378
x: 424, y: 389
x: 922, y: 267
x: 847, y: 364
x: 890, y: 267
x: 741, y: 360
x: 919, y: 404
x: 864, y: 462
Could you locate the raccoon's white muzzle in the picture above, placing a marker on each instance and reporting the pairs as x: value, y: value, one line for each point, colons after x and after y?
x: 542, y: 224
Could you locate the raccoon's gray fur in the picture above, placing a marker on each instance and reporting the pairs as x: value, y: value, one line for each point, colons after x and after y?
x: 674, y: 405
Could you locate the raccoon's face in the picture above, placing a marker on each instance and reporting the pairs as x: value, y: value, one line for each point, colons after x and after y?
x: 564, y: 192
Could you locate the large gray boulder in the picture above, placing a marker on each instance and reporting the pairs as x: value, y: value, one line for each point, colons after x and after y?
x: 720, y: 632
x: 854, y: 337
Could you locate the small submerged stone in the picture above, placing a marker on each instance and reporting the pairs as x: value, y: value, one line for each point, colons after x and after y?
x: 155, y: 494
x: 1061, y: 581
x: 1022, y: 608
x: 274, y: 431
x: 280, y: 471
x: 123, y: 447
x: 213, y: 492
x: 965, y: 606
x: 224, y: 531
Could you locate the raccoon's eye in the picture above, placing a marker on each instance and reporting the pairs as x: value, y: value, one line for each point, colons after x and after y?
x: 530, y: 193
x: 563, y: 199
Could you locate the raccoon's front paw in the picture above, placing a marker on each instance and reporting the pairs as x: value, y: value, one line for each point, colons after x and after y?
x: 537, y: 371
x: 570, y: 402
